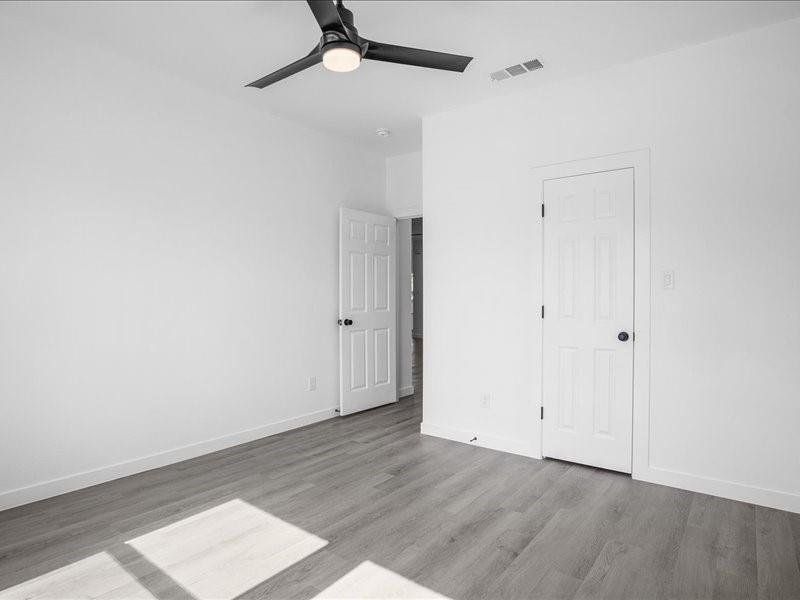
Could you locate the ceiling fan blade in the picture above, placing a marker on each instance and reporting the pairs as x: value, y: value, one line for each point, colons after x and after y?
x: 418, y: 58
x: 309, y: 60
x: 327, y: 15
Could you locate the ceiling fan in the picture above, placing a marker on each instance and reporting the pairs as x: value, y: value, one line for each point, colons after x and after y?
x: 342, y: 49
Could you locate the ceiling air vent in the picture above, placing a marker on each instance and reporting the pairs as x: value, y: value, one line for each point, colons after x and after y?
x: 534, y: 64
x: 514, y: 70
x: 499, y: 75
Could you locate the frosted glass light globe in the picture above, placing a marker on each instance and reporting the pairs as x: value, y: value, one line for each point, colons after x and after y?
x: 341, y: 59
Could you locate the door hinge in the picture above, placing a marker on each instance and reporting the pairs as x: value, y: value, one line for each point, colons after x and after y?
x: 543, y: 210
x: 543, y: 311
x: 541, y: 413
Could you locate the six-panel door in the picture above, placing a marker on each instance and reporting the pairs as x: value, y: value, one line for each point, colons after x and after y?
x: 588, y: 299
x: 367, y: 298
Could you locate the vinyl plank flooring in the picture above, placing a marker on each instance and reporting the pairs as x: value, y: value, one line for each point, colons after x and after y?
x: 555, y: 585
x: 620, y: 571
x: 717, y: 557
x: 778, y: 574
x: 794, y: 519
x: 573, y: 535
x: 366, y: 501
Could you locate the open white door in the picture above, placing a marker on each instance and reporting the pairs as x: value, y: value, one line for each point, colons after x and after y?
x: 367, y: 311
x: 588, y: 319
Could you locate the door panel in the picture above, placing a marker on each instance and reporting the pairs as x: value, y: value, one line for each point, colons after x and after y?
x: 381, y: 356
x: 367, y: 298
x: 358, y: 281
x: 381, y: 266
x: 358, y: 359
x: 588, y: 282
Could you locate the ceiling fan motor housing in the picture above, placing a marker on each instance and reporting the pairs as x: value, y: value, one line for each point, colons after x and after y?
x: 334, y: 39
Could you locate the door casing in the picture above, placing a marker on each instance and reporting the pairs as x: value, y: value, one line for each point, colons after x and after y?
x: 639, y: 161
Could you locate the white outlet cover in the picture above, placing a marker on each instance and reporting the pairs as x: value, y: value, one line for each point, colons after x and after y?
x: 486, y: 400
x: 312, y: 384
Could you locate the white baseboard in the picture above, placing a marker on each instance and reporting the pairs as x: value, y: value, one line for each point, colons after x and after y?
x: 404, y: 391
x: 723, y: 489
x: 491, y: 442
x: 70, y: 483
x: 704, y: 485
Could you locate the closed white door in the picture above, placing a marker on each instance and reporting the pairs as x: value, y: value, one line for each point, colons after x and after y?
x: 588, y: 319
x: 367, y: 311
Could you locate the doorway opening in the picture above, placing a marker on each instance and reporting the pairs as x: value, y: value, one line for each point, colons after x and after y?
x: 410, y: 285
x: 380, y: 310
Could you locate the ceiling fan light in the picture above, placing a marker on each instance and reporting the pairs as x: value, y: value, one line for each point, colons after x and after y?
x: 341, y: 58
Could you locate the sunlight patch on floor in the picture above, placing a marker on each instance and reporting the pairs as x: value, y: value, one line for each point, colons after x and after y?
x: 371, y: 581
x: 97, y: 576
x: 226, y: 550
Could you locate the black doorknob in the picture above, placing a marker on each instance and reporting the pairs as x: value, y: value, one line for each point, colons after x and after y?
x: 623, y: 336
x: 348, y: 321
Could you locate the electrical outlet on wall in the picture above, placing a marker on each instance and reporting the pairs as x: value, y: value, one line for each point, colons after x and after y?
x: 311, y: 385
x: 486, y: 400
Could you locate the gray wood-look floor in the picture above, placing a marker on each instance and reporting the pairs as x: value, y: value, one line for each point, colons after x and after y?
x: 461, y: 521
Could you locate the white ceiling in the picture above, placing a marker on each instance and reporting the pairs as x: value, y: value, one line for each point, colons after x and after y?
x: 223, y: 45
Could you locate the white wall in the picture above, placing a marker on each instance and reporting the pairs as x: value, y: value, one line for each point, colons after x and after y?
x: 404, y: 184
x: 168, y: 266
x: 405, y: 348
x: 723, y: 126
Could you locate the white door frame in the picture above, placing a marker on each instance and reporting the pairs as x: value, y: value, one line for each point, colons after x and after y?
x: 639, y: 161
